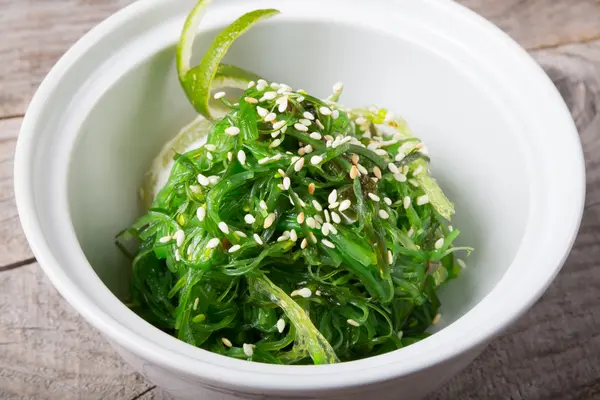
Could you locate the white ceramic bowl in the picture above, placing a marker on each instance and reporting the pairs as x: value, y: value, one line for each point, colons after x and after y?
x: 503, y: 146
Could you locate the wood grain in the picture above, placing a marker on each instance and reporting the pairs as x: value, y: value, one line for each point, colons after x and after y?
x: 13, y: 245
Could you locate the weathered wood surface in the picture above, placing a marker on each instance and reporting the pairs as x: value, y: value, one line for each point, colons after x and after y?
x: 48, y: 352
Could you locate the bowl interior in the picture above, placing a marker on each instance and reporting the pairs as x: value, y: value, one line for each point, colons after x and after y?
x: 474, y: 140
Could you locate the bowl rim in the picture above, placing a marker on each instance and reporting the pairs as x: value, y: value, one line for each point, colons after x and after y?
x: 261, y: 376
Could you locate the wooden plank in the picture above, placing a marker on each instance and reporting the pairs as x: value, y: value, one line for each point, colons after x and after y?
x: 13, y: 245
x: 49, y: 352
x: 553, y: 352
x: 35, y: 33
x: 537, y: 24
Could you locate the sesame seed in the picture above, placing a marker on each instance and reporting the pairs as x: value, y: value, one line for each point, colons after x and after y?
x: 232, y: 131
x: 269, y: 221
x: 308, y: 149
x: 262, y: 111
x: 223, y: 227
x: 331, y: 228
x: 279, y: 124
x: 203, y: 180
x: 311, y: 223
x: 241, y: 234
x: 319, y: 218
x: 165, y: 239
x: 399, y: 157
x: 201, y: 213
x: 413, y: 182
x: 393, y: 168
x: 280, y: 325
x: 275, y: 85
x: 283, y: 104
x: 251, y: 84
x: 179, y: 237
x: 299, y: 164
x: 317, y: 205
x: 353, y: 172
x: 355, y: 158
x: 450, y: 228
x: 374, y: 197
x: 325, y: 229
x: 219, y: 95
x: 418, y: 170
x: 381, y: 152
x: 335, y: 114
x: 286, y: 183
x: 387, y: 201
x: 327, y: 217
x: 241, y: 156
x: 328, y: 243
x: 422, y: 200
x: 269, y: 95
x: 315, y: 135
x: 304, y: 243
x: 383, y: 214
x: 234, y: 248
x: 262, y: 205
x: 320, y: 124
x: 311, y: 188
x: 390, y: 257
x: 461, y: 263
x: 407, y: 202
x: 229, y: 155
x: 249, y: 218
x: 344, y: 205
x: 312, y: 237
x: 361, y: 120
x: 270, y: 117
x: 226, y: 342
x: 332, y: 198
x: 377, y: 172
x: 209, y: 155
x: 195, y: 189
x: 210, y: 147
x: 301, y: 151
x: 436, y: 319
x: 439, y: 243
x: 275, y: 143
x: 362, y: 169
x: 336, y: 218
x: 212, y: 243
x: 316, y: 160
x: 300, y: 217
x: 213, y: 179
x: 400, y: 177
x: 300, y: 99
x: 250, y: 100
x: 325, y: 110
x: 300, y: 127
x: 248, y: 349
x: 261, y: 86
x: 305, y: 122
x: 352, y: 322
x: 257, y: 239
x: 304, y: 292
x: 293, y: 235
x: 308, y: 115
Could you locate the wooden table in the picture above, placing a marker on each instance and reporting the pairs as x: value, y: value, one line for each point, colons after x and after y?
x: 48, y: 352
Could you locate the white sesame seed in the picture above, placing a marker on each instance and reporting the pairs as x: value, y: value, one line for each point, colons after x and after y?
x: 270, y: 117
x: 308, y: 149
x: 352, y: 322
x: 407, y: 201
x: 283, y: 104
x: 383, y: 214
x: 201, y: 213
x: 249, y: 218
x: 219, y: 95
x: 461, y: 263
x: 286, y: 183
x: 165, y: 239
x: 275, y: 143
x: 393, y: 168
x: 374, y: 197
x: 422, y: 200
x: 280, y: 325
x: 362, y: 169
x: 328, y: 243
x: 344, y: 205
x: 304, y: 243
x: 257, y: 239
x: 226, y: 342
x: 300, y: 127
x: 212, y: 243
x: 316, y: 160
x: 390, y: 257
x: 315, y: 135
x: 232, y: 131
x: 361, y: 120
x: 241, y: 234
x: 320, y: 124
x: 264, y: 160
x: 327, y: 217
x: 275, y: 85
x: 381, y: 152
x: 317, y: 205
x: 279, y: 124
x: 299, y: 164
x: 325, y: 229
x: 251, y: 84
x: 450, y: 228
x: 353, y: 172
x: 336, y: 218
x: 293, y: 235
x: 203, y: 180
x: 332, y: 198
x: 179, y: 237
x: 301, y: 151
x: 400, y: 177
x: 311, y: 222
x: 304, y: 292
x: 250, y: 100
x: 377, y: 172
x: 241, y: 156
x: 325, y: 110
x: 319, y: 218
x: 262, y: 111
x: 213, y: 179
x: 262, y: 205
x: 439, y: 243
x: 387, y: 201
x: 209, y: 155
x: 308, y: 115
x: 195, y: 189
x: 312, y: 237
x: 436, y: 319
x: 223, y: 227
x: 229, y: 155
x: 234, y: 248
x: 269, y: 95
x: 300, y: 99
x: 335, y: 114
x: 210, y: 147
x: 269, y: 221
x: 248, y: 349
